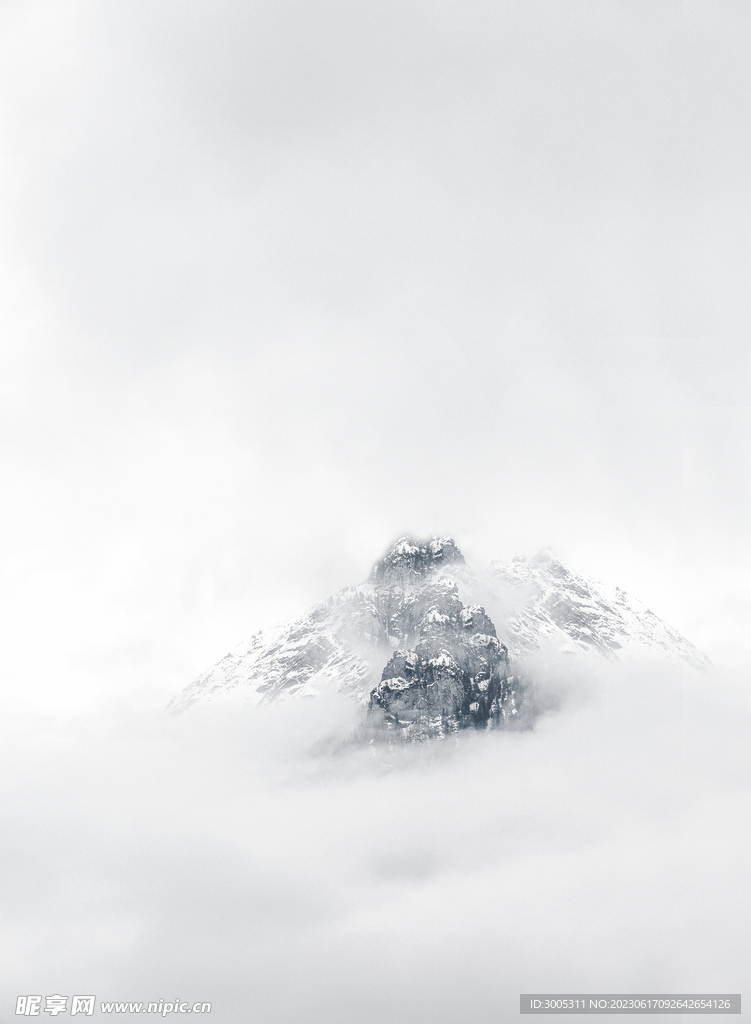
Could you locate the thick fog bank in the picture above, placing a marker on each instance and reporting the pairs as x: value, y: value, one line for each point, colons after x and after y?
x: 253, y: 860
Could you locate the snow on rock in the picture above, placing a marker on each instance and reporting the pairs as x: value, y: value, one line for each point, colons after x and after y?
x: 424, y: 644
x: 544, y: 604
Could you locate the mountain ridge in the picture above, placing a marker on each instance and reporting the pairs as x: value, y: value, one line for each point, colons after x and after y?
x: 414, y: 607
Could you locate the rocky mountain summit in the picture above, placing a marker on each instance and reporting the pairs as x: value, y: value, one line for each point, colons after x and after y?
x: 449, y: 670
x: 429, y: 646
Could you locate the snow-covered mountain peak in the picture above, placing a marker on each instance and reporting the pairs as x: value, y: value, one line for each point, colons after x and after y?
x: 545, y: 604
x: 421, y: 602
x: 543, y: 557
x: 408, y: 560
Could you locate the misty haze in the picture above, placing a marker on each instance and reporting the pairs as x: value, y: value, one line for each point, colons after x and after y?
x: 376, y: 475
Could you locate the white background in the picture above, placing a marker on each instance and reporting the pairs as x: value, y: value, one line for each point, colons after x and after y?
x: 280, y: 281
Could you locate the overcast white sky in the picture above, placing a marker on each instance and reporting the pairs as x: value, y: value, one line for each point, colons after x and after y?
x: 281, y: 281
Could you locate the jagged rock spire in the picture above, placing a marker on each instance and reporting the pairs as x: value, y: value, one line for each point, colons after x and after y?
x: 449, y: 670
x: 408, y: 560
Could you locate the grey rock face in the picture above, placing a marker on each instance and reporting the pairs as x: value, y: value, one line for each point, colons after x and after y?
x: 407, y: 561
x: 449, y: 671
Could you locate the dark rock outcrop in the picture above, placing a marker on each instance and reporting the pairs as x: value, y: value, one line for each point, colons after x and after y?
x: 449, y: 670
x: 408, y: 560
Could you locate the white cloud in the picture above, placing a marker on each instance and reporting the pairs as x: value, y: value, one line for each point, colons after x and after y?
x: 222, y: 858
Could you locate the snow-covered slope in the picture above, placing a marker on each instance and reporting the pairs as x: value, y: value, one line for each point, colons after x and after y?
x: 341, y: 643
x: 542, y: 604
x: 422, y: 590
